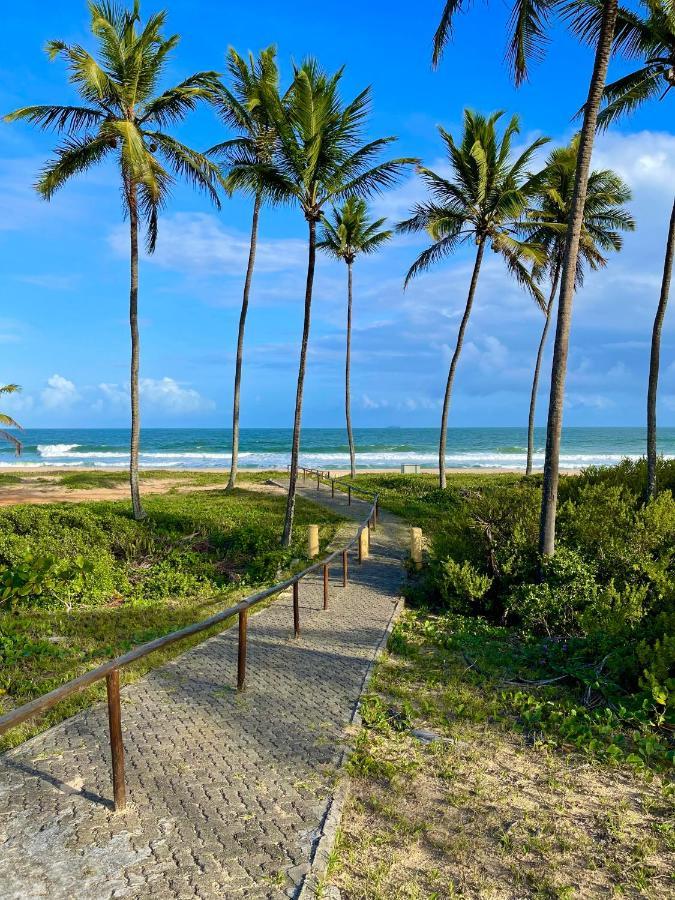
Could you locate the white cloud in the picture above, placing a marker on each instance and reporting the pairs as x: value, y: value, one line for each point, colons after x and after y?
x: 60, y: 393
x: 645, y: 159
x: 168, y: 395
x: 51, y: 282
x: 369, y: 403
x: 198, y: 241
x: 588, y: 401
x: 161, y: 394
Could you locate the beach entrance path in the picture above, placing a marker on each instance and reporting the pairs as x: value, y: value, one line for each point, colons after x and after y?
x: 227, y: 793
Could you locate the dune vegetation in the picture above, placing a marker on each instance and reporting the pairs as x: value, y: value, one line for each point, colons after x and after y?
x: 81, y: 583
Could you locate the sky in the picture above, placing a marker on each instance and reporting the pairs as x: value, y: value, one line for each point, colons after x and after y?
x: 64, y: 264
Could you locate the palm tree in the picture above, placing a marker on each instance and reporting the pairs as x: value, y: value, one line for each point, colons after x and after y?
x: 483, y: 202
x: 125, y: 118
x: 349, y: 234
x: 319, y: 159
x: 653, y: 39
x: 9, y: 421
x: 529, y: 21
x: 604, y: 219
x: 244, y: 108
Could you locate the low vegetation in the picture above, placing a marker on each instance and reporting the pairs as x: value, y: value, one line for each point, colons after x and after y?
x: 585, y: 643
x: 80, y: 583
x: 457, y: 793
x: 518, y: 734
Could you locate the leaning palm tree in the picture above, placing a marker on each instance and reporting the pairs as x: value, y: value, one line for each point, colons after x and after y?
x: 125, y: 118
x: 482, y: 202
x: 349, y: 234
x: 604, y: 220
x: 529, y: 21
x: 244, y: 107
x: 652, y: 38
x: 9, y: 421
x: 319, y: 159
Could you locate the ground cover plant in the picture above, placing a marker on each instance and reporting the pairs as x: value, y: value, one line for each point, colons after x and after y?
x: 81, y: 583
x: 582, y: 648
x: 517, y: 735
x: 483, y: 803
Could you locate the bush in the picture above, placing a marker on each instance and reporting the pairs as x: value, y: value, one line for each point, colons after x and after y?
x: 555, y: 604
x: 461, y: 586
x: 608, y: 593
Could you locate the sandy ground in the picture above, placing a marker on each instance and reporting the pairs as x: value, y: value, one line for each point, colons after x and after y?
x: 36, y: 486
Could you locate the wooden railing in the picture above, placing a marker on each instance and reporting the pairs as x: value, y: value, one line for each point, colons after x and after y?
x: 324, y: 476
x: 111, y: 669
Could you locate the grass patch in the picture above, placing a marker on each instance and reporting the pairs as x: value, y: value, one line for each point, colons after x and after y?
x: 7, y: 478
x: 489, y: 809
x: 100, y: 583
x: 88, y: 480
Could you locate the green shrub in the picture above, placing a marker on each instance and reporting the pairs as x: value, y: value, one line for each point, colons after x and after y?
x: 461, y: 586
x: 554, y: 604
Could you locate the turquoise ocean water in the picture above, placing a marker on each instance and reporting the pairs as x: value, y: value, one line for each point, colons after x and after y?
x: 182, y: 448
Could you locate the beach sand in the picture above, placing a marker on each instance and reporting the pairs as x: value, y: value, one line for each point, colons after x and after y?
x: 42, y: 485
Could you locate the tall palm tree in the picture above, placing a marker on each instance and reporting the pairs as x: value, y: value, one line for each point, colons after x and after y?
x: 125, y: 118
x: 244, y: 107
x: 604, y: 220
x: 651, y: 37
x: 319, y: 159
x: 527, y: 39
x: 483, y: 202
x: 9, y: 421
x: 349, y: 234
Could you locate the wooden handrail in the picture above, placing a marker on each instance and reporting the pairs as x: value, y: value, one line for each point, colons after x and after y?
x: 110, y: 670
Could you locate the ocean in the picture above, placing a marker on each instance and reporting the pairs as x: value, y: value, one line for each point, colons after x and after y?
x: 381, y: 448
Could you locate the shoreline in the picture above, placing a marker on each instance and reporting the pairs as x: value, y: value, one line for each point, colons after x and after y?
x: 45, y: 470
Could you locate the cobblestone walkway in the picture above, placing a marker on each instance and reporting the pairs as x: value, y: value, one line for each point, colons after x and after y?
x: 227, y: 792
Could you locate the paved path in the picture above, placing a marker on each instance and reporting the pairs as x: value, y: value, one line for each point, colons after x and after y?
x: 227, y: 792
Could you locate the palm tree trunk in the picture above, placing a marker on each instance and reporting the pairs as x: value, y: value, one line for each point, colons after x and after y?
x: 537, y: 370
x: 348, y: 404
x: 454, y: 361
x: 549, y: 499
x: 135, y: 356
x: 295, y: 448
x: 240, y: 343
x: 654, y: 359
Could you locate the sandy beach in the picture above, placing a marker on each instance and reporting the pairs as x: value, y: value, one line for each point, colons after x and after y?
x: 43, y: 485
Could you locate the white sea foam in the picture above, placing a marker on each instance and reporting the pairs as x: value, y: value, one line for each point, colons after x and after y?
x: 72, y: 455
x: 56, y: 449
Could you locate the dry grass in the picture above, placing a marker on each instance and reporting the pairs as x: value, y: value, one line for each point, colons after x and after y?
x: 485, y: 812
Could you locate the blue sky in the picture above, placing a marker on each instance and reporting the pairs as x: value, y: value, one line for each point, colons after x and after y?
x: 64, y: 267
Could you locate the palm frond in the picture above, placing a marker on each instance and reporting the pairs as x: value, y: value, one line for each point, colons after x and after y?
x: 444, y: 29
x: 59, y: 118
x: 529, y: 20
x: 72, y: 157
x: 438, y: 251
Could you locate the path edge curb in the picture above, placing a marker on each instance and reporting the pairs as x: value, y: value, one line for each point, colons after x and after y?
x: 333, y: 817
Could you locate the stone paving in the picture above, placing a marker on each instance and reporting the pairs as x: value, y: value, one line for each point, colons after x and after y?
x: 227, y: 792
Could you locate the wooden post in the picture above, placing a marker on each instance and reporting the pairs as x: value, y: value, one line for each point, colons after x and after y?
x: 325, y: 587
x: 318, y: 481
x: 416, y: 546
x: 377, y: 511
x: 116, y: 743
x: 363, y: 545
x: 332, y: 488
x: 296, y: 609
x: 349, y: 495
x: 312, y: 541
x: 345, y: 568
x: 241, y: 659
